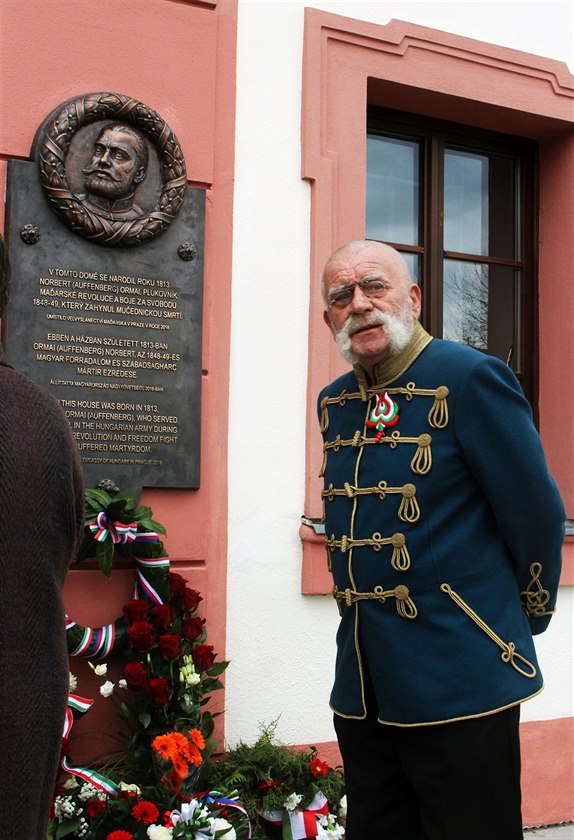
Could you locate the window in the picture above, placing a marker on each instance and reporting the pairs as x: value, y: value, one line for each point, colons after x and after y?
x: 459, y: 205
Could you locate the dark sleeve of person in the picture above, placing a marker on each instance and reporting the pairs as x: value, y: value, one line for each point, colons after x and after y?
x: 494, y: 427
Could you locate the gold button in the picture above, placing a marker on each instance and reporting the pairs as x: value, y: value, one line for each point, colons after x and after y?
x: 401, y: 592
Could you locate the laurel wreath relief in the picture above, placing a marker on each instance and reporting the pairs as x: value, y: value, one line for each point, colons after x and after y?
x: 53, y: 147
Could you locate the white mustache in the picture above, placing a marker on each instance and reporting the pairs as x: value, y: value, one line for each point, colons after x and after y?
x: 357, y: 322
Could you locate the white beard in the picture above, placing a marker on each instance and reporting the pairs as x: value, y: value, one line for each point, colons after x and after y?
x: 398, y: 329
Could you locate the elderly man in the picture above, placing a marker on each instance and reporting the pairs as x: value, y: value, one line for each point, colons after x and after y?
x: 443, y: 532
x: 41, y: 519
x: 119, y: 164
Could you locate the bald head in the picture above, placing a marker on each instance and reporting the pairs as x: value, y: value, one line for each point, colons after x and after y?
x: 388, y: 256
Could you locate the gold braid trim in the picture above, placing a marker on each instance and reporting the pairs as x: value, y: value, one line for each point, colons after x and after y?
x: 534, y: 597
x: 400, y: 558
x: 509, y: 653
x: 409, y: 510
x: 420, y: 464
x: 405, y: 605
x: 437, y: 416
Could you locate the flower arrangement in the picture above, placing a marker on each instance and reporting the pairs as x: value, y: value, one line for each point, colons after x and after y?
x: 165, y: 783
x: 148, y: 788
x: 287, y: 792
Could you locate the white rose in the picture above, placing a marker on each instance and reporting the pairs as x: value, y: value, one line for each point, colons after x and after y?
x: 122, y: 684
x: 159, y: 832
x: 101, y: 670
x: 107, y: 689
x: 73, y: 682
x: 219, y: 824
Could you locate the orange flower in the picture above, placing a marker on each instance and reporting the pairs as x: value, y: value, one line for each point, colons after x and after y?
x: 163, y: 744
x: 193, y: 755
x: 197, y: 738
x: 179, y: 741
x: 180, y: 766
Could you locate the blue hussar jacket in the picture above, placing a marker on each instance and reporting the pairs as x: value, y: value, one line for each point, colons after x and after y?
x: 444, y: 532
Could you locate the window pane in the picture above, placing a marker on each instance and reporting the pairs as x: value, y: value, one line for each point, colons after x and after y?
x: 413, y: 262
x: 466, y: 203
x: 393, y: 192
x: 480, y: 307
x: 480, y: 204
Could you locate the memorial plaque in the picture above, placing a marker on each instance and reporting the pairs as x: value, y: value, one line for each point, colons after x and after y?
x: 113, y: 332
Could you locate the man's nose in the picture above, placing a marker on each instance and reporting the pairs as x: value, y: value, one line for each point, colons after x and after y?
x: 105, y: 157
x: 360, y: 302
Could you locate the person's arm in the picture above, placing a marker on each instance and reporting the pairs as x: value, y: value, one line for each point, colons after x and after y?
x: 494, y: 427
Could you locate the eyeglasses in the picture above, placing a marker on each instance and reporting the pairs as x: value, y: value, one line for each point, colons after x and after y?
x: 370, y: 287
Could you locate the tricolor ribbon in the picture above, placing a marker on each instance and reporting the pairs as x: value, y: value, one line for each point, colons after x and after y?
x: 120, y: 532
x: 299, y: 825
x: 215, y: 798
x: 143, y: 587
x: 82, y: 704
x: 94, y: 642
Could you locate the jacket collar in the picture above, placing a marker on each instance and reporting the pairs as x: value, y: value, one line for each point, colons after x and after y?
x: 394, y: 366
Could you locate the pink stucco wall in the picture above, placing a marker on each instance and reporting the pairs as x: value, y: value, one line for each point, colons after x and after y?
x: 179, y: 58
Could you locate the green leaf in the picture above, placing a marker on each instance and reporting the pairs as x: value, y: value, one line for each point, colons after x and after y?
x: 151, y: 525
x: 143, y: 512
x: 105, y: 555
x: 145, y: 719
x: 116, y: 509
x: 124, y: 711
x: 99, y: 497
x: 286, y: 825
x: 211, y: 685
x: 66, y: 828
x: 217, y: 668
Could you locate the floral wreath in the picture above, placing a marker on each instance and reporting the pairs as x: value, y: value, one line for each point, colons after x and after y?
x: 114, y: 524
x: 54, y: 145
x: 163, y: 781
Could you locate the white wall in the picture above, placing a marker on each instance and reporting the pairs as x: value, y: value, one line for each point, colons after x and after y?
x: 281, y: 644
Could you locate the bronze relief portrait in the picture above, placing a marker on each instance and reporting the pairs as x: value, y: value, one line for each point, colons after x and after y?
x: 111, y: 169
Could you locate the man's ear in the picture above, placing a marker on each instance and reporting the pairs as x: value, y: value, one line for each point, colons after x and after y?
x: 328, y: 321
x: 140, y: 175
x: 415, y: 296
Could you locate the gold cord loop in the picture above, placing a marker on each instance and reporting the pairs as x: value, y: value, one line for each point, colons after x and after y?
x: 508, y: 649
x: 535, y: 598
x: 405, y: 605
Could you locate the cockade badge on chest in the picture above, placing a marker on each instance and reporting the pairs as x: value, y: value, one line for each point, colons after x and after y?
x: 384, y: 414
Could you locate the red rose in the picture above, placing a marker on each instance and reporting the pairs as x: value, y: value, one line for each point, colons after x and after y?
x: 203, y: 656
x: 191, y: 599
x: 120, y: 835
x: 95, y: 807
x: 145, y: 812
x: 318, y: 767
x: 158, y: 688
x: 141, y: 635
x: 136, y: 610
x: 135, y: 675
x: 268, y: 785
x: 192, y: 627
x: 170, y: 646
x: 176, y: 584
x: 162, y: 616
